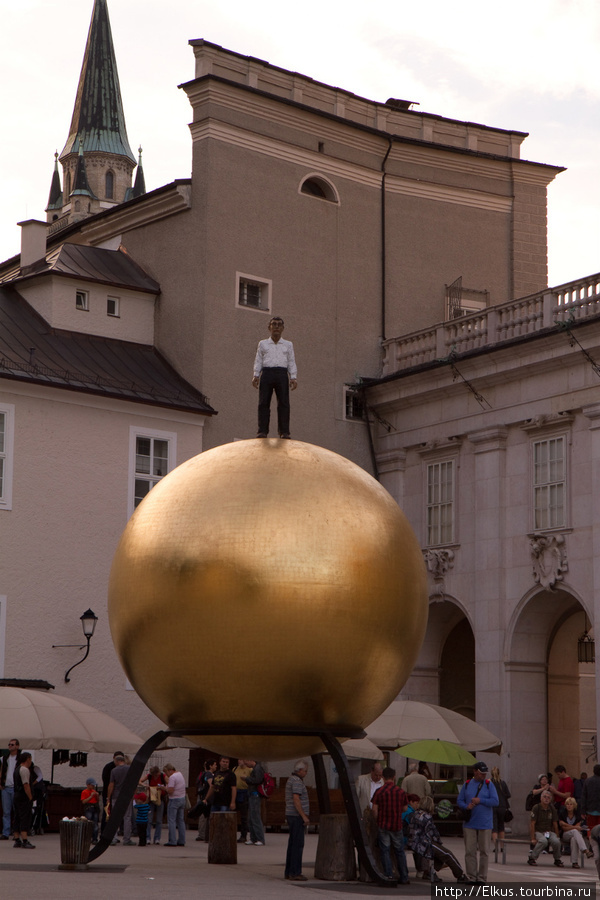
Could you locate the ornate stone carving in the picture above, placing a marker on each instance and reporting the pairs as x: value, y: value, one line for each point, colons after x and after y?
x: 548, y: 420
x: 438, y: 563
x: 549, y: 558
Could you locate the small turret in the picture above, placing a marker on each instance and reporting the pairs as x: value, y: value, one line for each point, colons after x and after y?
x: 55, y: 198
x: 139, y: 185
x: 82, y: 195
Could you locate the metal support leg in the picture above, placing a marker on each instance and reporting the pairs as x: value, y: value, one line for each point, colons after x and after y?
x: 365, y: 857
x: 136, y: 770
x: 333, y: 746
x: 322, y: 786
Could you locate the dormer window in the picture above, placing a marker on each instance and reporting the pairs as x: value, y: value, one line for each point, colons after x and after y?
x: 82, y: 300
x: 112, y: 306
x: 109, y: 185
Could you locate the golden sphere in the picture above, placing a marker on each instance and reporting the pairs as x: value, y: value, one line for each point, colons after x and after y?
x: 267, y: 583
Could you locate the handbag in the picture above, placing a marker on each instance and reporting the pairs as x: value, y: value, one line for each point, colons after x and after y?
x: 155, y: 795
x: 508, y: 816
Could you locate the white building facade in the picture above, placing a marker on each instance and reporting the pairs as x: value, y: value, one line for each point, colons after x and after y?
x: 487, y: 434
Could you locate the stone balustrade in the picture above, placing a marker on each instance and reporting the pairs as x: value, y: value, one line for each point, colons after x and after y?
x: 570, y: 302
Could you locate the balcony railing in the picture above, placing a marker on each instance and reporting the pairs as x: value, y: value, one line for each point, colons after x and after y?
x: 574, y: 301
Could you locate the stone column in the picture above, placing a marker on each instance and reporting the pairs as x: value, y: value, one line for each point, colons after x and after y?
x: 593, y: 414
x: 489, y: 586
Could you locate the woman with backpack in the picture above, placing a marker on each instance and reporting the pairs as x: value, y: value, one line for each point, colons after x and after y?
x: 255, y: 825
x: 202, y: 808
x: 156, y: 797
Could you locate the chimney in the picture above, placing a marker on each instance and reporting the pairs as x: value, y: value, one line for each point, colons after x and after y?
x: 33, y: 242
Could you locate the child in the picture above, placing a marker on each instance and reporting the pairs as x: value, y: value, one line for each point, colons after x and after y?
x: 142, y: 813
x: 91, y: 806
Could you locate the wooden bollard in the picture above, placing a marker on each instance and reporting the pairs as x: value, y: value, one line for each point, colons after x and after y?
x: 335, y: 859
x: 222, y: 842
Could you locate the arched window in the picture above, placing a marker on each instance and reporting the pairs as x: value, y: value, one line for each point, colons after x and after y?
x: 317, y: 186
x: 109, y: 185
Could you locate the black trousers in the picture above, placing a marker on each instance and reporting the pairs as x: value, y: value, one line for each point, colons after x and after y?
x: 22, y: 811
x: 274, y: 379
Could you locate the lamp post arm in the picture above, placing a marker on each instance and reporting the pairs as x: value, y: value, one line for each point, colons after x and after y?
x: 67, y: 679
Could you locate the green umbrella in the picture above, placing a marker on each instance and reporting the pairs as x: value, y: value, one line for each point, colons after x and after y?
x: 443, y: 752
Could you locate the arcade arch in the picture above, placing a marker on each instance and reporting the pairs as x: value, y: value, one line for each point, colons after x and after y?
x: 550, y: 696
x: 445, y: 671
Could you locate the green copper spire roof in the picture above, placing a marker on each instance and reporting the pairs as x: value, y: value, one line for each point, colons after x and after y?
x: 98, y: 119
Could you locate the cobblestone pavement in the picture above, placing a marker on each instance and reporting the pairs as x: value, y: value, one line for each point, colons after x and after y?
x: 132, y: 873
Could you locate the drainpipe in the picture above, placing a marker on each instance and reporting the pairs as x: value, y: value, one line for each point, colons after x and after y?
x: 383, y: 257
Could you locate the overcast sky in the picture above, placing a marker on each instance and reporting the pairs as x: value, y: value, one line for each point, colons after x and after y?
x: 527, y: 65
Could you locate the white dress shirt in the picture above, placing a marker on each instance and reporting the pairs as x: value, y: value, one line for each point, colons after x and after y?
x: 272, y: 353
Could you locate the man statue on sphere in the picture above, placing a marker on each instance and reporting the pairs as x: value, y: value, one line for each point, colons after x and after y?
x: 274, y: 370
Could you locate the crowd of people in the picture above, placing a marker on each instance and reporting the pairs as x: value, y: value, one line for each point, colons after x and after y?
x: 567, y: 813
x: 563, y: 817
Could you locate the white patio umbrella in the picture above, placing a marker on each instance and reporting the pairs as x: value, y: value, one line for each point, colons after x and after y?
x: 361, y: 748
x: 409, y: 720
x: 42, y: 720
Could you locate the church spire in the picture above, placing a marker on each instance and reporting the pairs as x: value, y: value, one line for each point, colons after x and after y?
x: 98, y: 119
x: 97, y: 160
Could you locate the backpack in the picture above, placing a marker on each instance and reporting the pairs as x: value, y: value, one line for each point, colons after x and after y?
x: 267, y: 787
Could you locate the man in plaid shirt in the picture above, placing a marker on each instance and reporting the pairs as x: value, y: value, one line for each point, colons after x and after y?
x: 389, y: 802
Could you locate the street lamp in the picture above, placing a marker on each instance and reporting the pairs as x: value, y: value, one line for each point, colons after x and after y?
x: 586, y: 646
x: 88, y: 623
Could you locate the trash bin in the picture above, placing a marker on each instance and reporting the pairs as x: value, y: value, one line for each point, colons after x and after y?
x: 75, y: 841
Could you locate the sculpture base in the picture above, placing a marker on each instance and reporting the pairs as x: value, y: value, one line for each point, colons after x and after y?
x: 334, y: 748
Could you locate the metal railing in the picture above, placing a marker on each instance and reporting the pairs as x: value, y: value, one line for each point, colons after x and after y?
x: 495, y: 325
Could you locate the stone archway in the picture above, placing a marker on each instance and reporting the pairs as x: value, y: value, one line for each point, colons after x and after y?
x: 571, y: 700
x: 445, y: 670
x: 457, y: 670
x: 546, y: 704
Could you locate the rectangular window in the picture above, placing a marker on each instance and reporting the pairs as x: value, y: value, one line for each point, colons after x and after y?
x: 7, y: 414
x: 549, y: 483
x: 82, y: 300
x: 151, y: 463
x: 152, y: 456
x: 254, y: 293
x: 354, y: 407
x: 112, y: 306
x: 440, y: 503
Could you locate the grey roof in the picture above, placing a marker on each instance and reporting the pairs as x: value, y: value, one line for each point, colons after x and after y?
x: 31, y: 351
x: 98, y: 118
x: 113, y: 267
